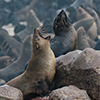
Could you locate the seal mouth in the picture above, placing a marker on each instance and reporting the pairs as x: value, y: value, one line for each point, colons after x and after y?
x: 62, y: 16
x: 37, y: 34
x: 62, y: 19
x: 61, y: 22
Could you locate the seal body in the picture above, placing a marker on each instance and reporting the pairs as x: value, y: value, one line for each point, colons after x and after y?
x: 87, y: 21
x: 10, y: 46
x: 5, y: 61
x: 65, y: 39
x: 40, y: 71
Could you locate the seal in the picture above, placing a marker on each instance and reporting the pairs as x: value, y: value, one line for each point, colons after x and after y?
x: 5, y: 61
x: 65, y: 38
x: 83, y: 39
x: 18, y: 66
x: 82, y: 42
x: 82, y: 14
x: 40, y: 70
x: 21, y: 14
x: 10, y: 46
x: 32, y: 23
x: 87, y: 21
x: 77, y: 3
x: 94, y: 14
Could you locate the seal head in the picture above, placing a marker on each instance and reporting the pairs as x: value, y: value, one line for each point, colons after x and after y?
x: 60, y: 22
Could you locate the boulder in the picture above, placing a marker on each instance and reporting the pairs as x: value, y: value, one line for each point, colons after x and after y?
x: 83, y: 71
x: 10, y: 93
x: 68, y: 93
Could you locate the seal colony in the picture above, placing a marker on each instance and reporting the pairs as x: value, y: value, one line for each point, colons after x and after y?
x: 40, y: 71
x: 18, y: 66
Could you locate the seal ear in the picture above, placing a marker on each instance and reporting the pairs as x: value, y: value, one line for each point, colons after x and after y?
x: 48, y: 38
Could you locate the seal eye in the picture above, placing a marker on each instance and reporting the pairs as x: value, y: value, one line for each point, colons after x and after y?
x: 36, y: 37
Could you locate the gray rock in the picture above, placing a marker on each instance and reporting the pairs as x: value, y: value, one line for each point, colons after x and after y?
x: 83, y: 72
x: 68, y: 93
x: 10, y: 93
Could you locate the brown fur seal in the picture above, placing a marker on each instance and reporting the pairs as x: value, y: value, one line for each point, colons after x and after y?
x: 82, y: 14
x: 40, y: 70
x: 5, y: 61
x: 93, y: 13
x: 82, y: 41
x: 65, y: 39
x: 18, y: 66
x: 32, y: 23
x: 87, y: 21
x: 77, y: 3
x: 21, y: 14
x: 10, y: 46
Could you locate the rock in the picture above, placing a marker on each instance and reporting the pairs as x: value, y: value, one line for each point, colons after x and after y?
x: 68, y: 93
x: 83, y: 72
x: 41, y: 98
x: 67, y: 58
x: 10, y: 93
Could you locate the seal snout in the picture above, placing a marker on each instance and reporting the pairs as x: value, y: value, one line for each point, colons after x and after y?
x: 62, y: 15
x: 62, y: 11
x: 36, y: 31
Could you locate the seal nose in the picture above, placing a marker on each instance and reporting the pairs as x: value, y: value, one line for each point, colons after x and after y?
x: 63, y: 15
x: 35, y: 34
x: 60, y: 15
x: 62, y: 11
x: 36, y: 37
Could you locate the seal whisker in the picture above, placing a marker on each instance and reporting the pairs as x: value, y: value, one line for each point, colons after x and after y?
x: 39, y: 28
x: 45, y: 30
x: 42, y: 29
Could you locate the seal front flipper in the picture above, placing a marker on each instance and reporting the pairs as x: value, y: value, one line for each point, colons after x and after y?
x: 42, y: 88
